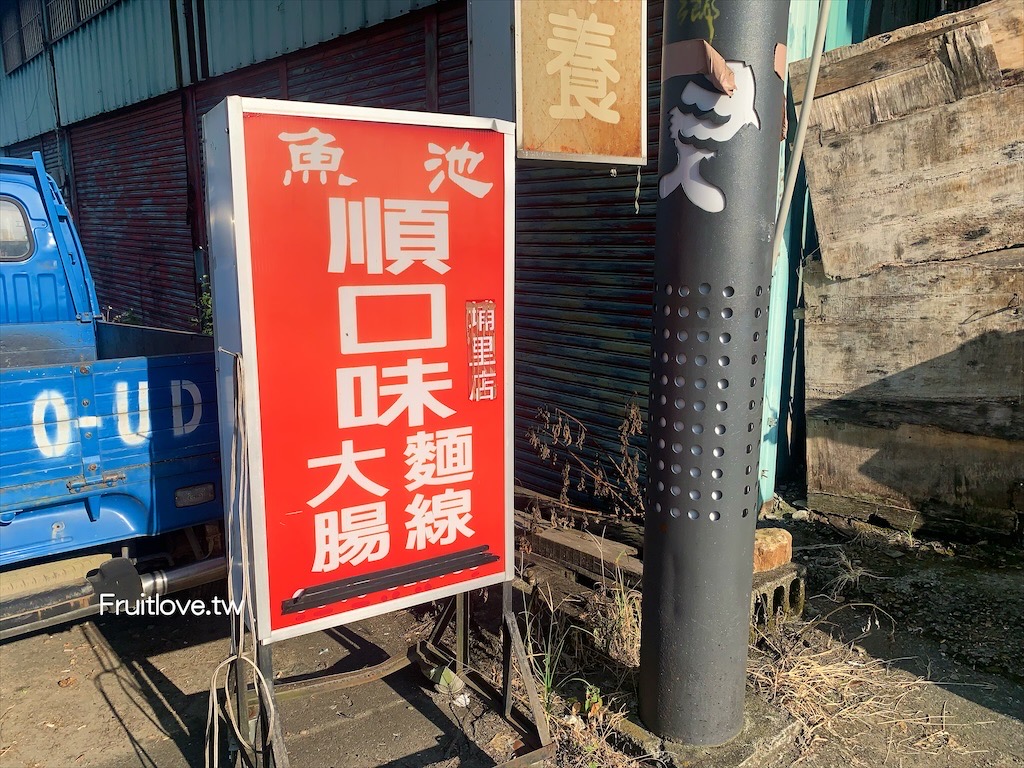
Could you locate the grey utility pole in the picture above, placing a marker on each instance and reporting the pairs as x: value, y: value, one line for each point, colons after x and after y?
x: 718, y: 182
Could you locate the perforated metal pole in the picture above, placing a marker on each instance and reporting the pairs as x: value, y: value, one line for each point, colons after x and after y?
x: 718, y: 181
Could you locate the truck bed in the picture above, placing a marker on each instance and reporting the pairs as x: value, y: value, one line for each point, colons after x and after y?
x: 106, y: 450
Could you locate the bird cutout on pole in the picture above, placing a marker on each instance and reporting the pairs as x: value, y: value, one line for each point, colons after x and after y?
x: 733, y: 112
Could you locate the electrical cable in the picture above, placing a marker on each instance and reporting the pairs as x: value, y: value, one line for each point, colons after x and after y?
x: 238, y: 502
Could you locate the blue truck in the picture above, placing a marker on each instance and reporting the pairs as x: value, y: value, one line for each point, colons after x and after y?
x: 110, y: 475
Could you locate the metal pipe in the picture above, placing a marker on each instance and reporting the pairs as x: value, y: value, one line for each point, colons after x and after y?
x: 718, y: 185
x: 184, y: 577
x: 793, y: 169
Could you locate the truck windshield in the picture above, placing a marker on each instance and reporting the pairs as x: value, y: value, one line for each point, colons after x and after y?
x: 15, y: 234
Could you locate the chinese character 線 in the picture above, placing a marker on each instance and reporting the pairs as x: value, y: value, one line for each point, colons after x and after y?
x: 360, y: 535
x: 438, y: 520
x: 585, y: 53
x: 462, y: 161
x: 310, y: 152
x: 402, y: 232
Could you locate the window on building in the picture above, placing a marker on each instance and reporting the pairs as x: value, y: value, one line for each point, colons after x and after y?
x: 24, y: 29
x: 15, y: 233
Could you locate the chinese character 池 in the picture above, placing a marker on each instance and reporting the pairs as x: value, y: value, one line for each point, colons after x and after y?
x: 462, y: 161
x: 310, y: 151
x: 584, y: 64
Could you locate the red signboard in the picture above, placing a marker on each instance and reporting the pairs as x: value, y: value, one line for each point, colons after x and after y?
x: 372, y: 259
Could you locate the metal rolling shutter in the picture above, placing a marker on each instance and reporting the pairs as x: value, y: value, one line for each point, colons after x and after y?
x: 584, y: 274
x: 452, y: 60
x: 132, y: 198
x: 382, y: 67
x: 49, y: 145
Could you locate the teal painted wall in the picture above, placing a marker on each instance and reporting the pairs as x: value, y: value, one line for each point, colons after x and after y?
x: 848, y: 23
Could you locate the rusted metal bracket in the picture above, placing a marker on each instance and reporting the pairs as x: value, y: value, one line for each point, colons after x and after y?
x: 428, y: 653
x: 534, y: 726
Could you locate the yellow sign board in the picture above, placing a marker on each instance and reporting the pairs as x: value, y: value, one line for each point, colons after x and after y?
x: 581, y: 80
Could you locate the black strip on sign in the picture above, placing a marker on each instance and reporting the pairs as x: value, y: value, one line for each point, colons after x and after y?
x: 356, y: 586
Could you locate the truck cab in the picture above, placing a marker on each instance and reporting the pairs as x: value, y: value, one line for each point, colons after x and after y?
x: 109, y: 454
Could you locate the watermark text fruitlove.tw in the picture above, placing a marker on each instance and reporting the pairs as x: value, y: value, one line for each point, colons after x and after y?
x: 159, y: 605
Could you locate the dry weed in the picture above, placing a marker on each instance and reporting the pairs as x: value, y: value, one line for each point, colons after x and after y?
x: 560, y: 441
x: 838, y: 693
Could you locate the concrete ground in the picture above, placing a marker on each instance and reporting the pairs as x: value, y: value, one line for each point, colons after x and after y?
x: 121, y: 692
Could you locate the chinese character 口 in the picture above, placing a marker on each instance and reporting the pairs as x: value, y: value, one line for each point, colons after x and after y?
x: 402, y: 232
x: 361, y: 536
x: 439, y: 458
x: 585, y: 53
x: 438, y: 520
x: 309, y: 151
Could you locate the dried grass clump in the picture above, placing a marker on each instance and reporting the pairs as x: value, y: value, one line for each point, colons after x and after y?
x: 613, y: 618
x: 838, y: 693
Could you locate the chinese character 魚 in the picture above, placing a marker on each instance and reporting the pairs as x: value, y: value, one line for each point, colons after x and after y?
x: 310, y: 152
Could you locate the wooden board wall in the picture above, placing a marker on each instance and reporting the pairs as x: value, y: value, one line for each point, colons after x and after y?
x: 914, y: 319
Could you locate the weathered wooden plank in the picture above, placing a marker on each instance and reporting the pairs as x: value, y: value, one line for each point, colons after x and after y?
x: 936, y: 521
x: 906, y: 49
x: 985, y: 417
x: 938, y: 185
x: 962, y: 63
x: 928, y: 332
x: 957, y: 481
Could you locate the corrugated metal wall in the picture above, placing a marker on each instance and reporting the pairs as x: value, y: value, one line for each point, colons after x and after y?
x: 49, y: 145
x: 244, y: 33
x: 385, y: 69
x: 132, y: 195
x: 27, y: 106
x: 122, y: 57
x: 452, y: 59
x: 782, y: 423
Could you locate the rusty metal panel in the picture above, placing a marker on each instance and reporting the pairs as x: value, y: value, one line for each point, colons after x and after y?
x: 244, y: 33
x: 122, y: 57
x: 132, y: 197
x: 28, y: 107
